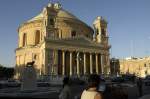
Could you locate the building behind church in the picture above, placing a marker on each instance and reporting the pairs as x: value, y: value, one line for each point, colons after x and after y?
x: 62, y: 44
x: 140, y: 67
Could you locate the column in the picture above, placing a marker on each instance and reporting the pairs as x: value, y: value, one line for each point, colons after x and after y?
x: 63, y: 62
x: 96, y: 57
x: 108, y: 64
x: 70, y: 63
x: 46, y: 58
x: 91, y: 64
x: 25, y: 59
x: 102, y: 64
x: 85, y: 63
x: 78, y: 70
x: 55, y: 66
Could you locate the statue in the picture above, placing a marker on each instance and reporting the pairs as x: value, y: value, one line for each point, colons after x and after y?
x: 28, y: 76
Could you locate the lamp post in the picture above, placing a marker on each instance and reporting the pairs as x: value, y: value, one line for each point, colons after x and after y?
x: 114, y: 67
x: 113, y: 64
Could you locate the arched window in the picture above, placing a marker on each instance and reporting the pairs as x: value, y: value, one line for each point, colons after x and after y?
x: 24, y: 42
x: 73, y: 33
x: 37, y: 37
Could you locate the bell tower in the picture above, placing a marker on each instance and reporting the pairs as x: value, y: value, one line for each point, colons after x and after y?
x: 49, y: 19
x: 100, y: 28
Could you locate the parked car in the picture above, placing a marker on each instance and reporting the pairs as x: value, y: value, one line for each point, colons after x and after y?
x: 147, y: 80
x: 129, y: 78
x: 117, y: 79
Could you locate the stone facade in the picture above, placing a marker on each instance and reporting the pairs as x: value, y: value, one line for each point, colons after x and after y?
x: 138, y: 66
x: 61, y: 44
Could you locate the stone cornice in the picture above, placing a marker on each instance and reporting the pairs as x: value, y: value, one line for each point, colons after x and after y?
x: 29, y: 46
x: 72, y: 46
x: 76, y: 49
x: 79, y: 41
x: 28, y: 23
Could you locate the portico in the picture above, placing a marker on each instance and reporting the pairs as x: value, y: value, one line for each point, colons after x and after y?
x: 79, y: 60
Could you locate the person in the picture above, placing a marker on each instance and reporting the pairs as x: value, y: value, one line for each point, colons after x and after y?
x: 91, y: 92
x: 118, y: 92
x: 66, y: 92
x: 139, y: 85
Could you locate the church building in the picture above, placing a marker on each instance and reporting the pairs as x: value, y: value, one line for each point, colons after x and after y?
x: 61, y: 44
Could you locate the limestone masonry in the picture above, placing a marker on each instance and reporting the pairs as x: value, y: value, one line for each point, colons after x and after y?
x: 62, y: 44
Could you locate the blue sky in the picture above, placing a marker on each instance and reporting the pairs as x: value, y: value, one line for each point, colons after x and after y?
x: 128, y: 23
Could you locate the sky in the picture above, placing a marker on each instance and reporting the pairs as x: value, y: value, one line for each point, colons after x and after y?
x: 128, y: 23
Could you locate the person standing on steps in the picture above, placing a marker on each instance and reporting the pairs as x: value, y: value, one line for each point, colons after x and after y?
x: 66, y: 92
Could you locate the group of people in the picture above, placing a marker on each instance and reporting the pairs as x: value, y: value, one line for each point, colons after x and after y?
x: 91, y: 92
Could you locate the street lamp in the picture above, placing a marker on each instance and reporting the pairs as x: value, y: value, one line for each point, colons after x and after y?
x: 113, y: 63
x: 114, y: 67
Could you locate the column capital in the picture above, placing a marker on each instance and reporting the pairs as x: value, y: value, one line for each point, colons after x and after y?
x: 84, y: 51
x: 55, y: 49
x: 102, y: 53
x: 77, y: 51
x: 96, y: 52
x: 63, y: 50
x: 71, y: 51
x: 91, y: 53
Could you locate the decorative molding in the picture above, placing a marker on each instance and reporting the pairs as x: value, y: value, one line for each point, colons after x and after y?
x: 30, y: 25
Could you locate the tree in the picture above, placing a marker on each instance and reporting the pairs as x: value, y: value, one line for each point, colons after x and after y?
x: 6, y: 72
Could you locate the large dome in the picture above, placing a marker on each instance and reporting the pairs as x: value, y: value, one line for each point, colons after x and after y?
x: 61, y: 13
x: 67, y: 24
